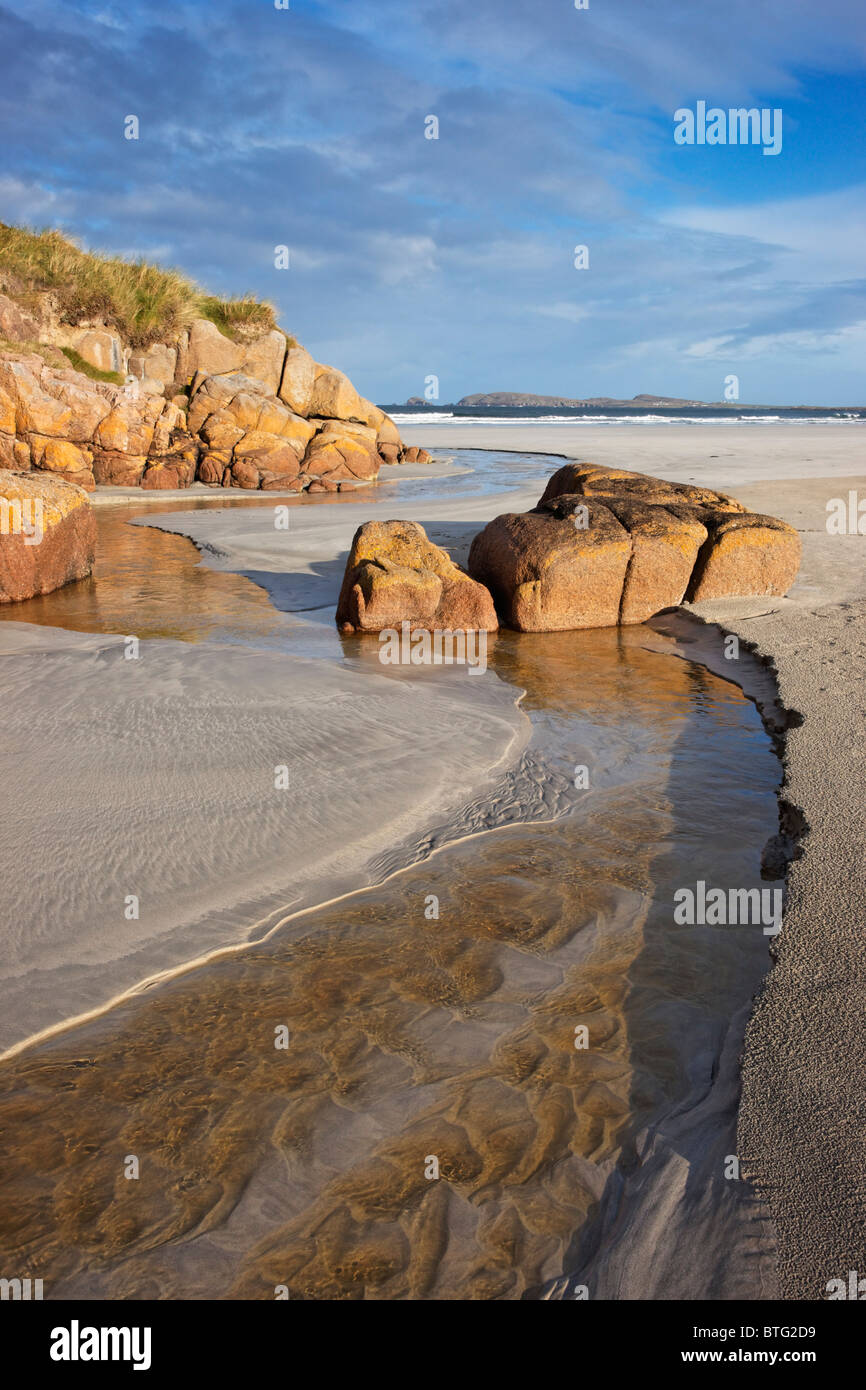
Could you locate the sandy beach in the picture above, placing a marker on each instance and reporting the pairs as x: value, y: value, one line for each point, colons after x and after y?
x: 187, y: 737
x: 802, y: 1116
x: 432, y: 635
x: 452, y: 1035
x: 232, y: 850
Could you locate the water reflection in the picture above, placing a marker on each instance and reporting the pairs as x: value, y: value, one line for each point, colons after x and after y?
x: 412, y: 1035
x: 415, y: 1036
x: 150, y: 583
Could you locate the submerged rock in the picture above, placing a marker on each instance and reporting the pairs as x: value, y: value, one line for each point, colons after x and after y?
x: 394, y: 574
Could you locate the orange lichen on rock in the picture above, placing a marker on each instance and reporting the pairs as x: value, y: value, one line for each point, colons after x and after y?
x: 47, y: 534
x: 605, y: 546
x: 395, y: 574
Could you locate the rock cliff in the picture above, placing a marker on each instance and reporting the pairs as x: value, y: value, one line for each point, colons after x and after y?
x: 258, y: 414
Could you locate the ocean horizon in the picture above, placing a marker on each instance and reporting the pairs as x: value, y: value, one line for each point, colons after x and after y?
x: 707, y: 415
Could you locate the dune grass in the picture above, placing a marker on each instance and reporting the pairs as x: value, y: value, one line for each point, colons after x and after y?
x: 95, y: 373
x: 49, y: 354
x: 144, y: 303
x: 231, y: 315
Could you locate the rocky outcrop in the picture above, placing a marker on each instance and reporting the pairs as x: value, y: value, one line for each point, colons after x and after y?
x: 204, y: 349
x: 158, y: 365
x: 298, y: 379
x: 547, y: 571
x: 343, y: 450
x: 597, y: 480
x: 260, y: 413
x: 59, y: 421
x: 390, y: 446
x: 47, y: 534
x: 664, y: 548
x: 394, y: 574
x: 16, y: 325
x: 606, y: 546
x: 603, y: 546
x: 745, y: 554
x: 39, y: 323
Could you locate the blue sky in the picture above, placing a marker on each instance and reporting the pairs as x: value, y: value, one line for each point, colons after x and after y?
x: 454, y: 257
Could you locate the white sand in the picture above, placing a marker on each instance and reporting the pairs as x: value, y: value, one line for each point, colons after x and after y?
x: 155, y: 777
x: 137, y: 801
x: 136, y: 788
x: 669, y: 1230
x: 726, y: 456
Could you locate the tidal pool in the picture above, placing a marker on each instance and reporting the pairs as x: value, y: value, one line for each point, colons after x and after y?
x: 419, y: 1091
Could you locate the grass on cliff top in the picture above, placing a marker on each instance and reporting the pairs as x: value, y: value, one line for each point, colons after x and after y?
x: 60, y: 357
x: 50, y: 354
x: 95, y: 373
x: 143, y: 302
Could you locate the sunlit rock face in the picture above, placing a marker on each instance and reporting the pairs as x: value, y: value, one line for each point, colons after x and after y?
x: 606, y: 546
x: 394, y: 574
x: 47, y: 534
x: 256, y: 414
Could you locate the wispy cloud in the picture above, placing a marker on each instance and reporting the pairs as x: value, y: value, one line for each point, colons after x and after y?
x: 409, y: 256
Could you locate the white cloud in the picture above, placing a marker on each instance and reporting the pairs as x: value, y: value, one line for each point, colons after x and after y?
x: 819, y: 239
x: 710, y: 347
x: 572, y: 313
x: 808, y: 341
x: 25, y: 201
x: 398, y: 258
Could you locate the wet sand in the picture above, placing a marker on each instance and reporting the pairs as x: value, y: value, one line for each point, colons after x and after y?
x: 803, y: 1112
x: 665, y: 1163
x: 155, y: 777
x: 449, y: 1037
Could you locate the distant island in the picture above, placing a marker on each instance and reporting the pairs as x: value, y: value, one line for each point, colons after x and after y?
x: 517, y: 398
x: 528, y: 401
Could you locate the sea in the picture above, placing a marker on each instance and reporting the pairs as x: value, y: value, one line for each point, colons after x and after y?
x: 631, y: 415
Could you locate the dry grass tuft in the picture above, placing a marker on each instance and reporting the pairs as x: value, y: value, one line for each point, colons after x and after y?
x: 143, y: 302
